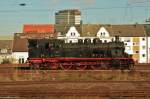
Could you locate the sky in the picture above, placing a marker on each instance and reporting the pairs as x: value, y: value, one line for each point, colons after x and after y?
x: 13, y: 16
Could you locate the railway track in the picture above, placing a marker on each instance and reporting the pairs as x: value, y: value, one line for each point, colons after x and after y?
x: 137, y: 66
x: 78, y: 88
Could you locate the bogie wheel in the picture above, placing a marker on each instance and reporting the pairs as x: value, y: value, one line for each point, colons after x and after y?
x: 66, y: 66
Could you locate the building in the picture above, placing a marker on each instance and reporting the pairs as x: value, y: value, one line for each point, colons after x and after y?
x: 71, y: 17
x: 147, y: 30
x: 62, y: 29
x: 133, y: 35
x: 64, y: 19
x: 38, y: 28
x: 5, y: 49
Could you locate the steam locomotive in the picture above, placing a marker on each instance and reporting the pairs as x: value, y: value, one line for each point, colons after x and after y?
x: 96, y: 55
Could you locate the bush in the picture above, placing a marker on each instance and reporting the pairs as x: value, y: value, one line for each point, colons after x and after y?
x: 7, y: 61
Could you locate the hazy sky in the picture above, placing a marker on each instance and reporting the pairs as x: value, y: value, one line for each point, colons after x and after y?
x: 13, y: 16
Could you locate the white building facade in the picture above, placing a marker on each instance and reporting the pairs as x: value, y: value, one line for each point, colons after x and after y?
x: 21, y: 57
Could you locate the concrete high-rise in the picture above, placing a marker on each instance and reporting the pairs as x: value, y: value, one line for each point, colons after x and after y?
x: 64, y: 19
x: 68, y: 17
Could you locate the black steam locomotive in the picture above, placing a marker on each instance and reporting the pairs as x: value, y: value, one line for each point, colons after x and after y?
x: 56, y: 54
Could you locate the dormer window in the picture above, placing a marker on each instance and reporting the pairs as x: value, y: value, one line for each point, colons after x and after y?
x: 103, y: 33
x: 105, y: 41
x: 72, y: 33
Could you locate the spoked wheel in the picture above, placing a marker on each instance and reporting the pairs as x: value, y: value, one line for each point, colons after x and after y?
x: 81, y: 66
x: 52, y: 66
x: 96, y: 67
x: 66, y: 66
x: 100, y: 66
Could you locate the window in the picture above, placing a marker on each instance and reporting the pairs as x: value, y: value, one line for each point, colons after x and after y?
x: 143, y: 47
x: 21, y: 60
x: 136, y: 51
x: 143, y: 55
x: 105, y: 41
x: 101, y: 33
x: 143, y: 39
x: 3, y: 50
x: 136, y: 43
x: 72, y: 33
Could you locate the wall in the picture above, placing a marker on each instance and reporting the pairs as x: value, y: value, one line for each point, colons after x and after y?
x: 143, y: 50
x: 20, y: 55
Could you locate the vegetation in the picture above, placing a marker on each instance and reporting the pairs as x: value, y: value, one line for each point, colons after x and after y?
x: 7, y: 61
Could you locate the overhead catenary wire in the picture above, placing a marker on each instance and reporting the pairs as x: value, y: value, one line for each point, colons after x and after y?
x: 90, y: 8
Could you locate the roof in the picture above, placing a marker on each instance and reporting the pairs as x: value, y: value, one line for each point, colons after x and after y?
x: 63, y: 29
x: 38, y: 28
x: 6, y: 37
x: 134, y: 30
x: 72, y: 11
x: 6, y: 44
x: 90, y: 30
x: 20, y: 42
x: 128, y: 30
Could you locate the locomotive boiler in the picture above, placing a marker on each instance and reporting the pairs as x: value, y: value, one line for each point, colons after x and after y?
x: 85, y: 54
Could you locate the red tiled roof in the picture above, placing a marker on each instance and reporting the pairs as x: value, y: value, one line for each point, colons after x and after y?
x: 38, y: 28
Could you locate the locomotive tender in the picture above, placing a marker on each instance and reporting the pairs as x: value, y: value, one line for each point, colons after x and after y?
x: 56, y: 54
